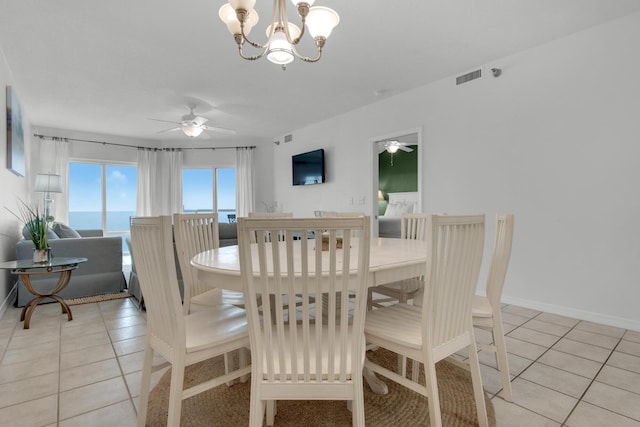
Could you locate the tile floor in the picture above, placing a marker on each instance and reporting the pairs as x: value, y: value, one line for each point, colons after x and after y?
x: 86, y: 372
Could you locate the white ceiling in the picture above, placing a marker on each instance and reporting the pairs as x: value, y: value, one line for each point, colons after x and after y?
x: 108, y: 66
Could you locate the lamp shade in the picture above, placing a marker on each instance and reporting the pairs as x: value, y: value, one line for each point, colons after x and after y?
x: 380, y: 195
x: 279, y: 49
x: 392, y: 148
x: 48, y: 183
x: 321, y: 21
x: 192, y: 131
x: 228, y: 15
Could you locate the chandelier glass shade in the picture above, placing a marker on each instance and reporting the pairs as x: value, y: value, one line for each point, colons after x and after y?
x: 192, y: 131
x: 282, y: 35
x: 392, y: 148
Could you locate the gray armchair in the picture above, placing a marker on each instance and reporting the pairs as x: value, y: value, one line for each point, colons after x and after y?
x: 101, y: 274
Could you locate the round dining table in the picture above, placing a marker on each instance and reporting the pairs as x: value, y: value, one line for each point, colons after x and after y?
x: 390, y: 260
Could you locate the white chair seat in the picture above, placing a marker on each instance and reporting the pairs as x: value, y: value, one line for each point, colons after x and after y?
x: 405, y: 286
x: 397, y: 323
x: 224, y: 324
x: 214, y: 297
x: 481, y: 307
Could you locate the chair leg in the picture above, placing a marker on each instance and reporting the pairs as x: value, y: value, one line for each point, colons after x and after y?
x: 501, y: 357
x: 256, y: 405
x: 272, y: 410
x: 228, y: 366
x: 244, y: 356
x: 175, y: 392
x: 145, y: 384
x: 357, y: 405
x: 415, y: 370
x: 478, y: 390
x: 431, y: 384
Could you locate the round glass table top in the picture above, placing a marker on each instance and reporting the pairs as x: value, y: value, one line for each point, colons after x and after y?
x: 53, y: 262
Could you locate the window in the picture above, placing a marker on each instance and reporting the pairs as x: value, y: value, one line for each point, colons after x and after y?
x: 210, y: 190
x: 102, y: 196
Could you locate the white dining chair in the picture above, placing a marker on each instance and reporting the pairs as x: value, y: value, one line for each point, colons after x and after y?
x: 181, y: 339
x: 443, y: 325
x: 270, y: 215
x: 298, y: 356
x: 195, y: 233
x: 413, y: 226
x: 486, y: 309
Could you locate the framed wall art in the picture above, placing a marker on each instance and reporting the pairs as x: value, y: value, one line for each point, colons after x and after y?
x: 15, y: 134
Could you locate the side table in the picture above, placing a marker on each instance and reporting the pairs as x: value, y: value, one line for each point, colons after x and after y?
x: 26, y: 268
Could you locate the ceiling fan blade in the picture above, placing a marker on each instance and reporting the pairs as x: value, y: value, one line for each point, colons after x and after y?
x: 170, y: 130
x: 199, y: 121
x: 221, y: 130
x: 381, y: 149
x: 404, y: 148
x: 165, y: 121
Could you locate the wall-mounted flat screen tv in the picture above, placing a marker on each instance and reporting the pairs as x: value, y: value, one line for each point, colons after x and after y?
x: 308, y: 168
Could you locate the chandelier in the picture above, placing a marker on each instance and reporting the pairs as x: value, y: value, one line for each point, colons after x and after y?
x: 282, y: 35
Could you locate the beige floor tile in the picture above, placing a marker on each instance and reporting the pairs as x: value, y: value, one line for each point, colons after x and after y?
x: 80, y: 342
x: 35, y: 338
x: 556, y: 379
x: 514, y: 319
x: 570, y: 363
x: 27, y: 369
x: 124, y: 322
x: 593, y: 338
x: 588, y: 351
x: 131, y: 362
x: 91, y: 397
x: 35, y: 412
x: 508, y: 327
x: 586, y: 414
x: 557, y: 319
x: 598, y: 328
x: 632, y: 336
x: 516, y: 363
x: 620, y: 378
x: 89, y: 373
x: 116, y: 305
x: 629, y: 347
x: 28, y: 389
x: 132, y: 345
x: 81, y: 329
x: 129, y: 332
x: 35, y: 352
x: 535, y: 337
x: 524, y: 349
x: 614, y: 399
x: 512, y: 415
x: 520, y: 311
x: 546, y: 327
x: 491, y: 379
x: 624, y: 361
x: 124, y: 312
x: 541, y: 400
x: 87, y: 355
x: 121, y: 414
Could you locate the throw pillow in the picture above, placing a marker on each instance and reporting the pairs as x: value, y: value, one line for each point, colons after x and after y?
x: 64, y: 231
x: 51, y: 235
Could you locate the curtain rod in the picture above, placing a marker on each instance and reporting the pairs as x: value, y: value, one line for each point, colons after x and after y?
x: 58, y: 138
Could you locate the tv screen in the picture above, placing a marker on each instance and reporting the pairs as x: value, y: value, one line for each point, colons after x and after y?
x: 308, y: 168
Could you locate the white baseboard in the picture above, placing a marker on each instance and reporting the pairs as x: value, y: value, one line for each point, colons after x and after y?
x: 8, y: 301
x: 590, y: 316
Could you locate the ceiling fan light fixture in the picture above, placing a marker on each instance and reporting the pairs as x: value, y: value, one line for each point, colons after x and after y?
x: 192, y: 131
x: 392, y: 148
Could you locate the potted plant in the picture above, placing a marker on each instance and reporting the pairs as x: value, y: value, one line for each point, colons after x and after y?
x: 37, y: 226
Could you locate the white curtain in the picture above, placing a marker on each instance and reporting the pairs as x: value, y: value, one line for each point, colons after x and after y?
x: 53, y: 157
x: 159, y: 182
x: 244, y: 181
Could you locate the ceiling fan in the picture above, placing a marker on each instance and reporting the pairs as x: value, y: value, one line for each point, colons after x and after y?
x: 192, y: 125
x: 393, y: 146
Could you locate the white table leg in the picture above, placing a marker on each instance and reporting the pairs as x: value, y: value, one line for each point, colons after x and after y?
x: 375, y: 383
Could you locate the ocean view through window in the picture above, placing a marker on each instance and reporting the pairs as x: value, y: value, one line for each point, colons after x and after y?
x: 198, y: 192
x: 102, y: 196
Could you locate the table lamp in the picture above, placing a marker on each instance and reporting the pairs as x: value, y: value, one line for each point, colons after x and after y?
x: 48, y: 183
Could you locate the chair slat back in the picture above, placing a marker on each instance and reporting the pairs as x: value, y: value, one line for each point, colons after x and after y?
x: 270, y: 215
x: 454, y: 257
x: 413, y: 226
x: 299, y: 347
x: 500, y: 258
x: 152, y: 242
x: 194, y: 233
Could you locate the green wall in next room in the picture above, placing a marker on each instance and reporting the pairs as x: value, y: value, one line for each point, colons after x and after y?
x: 400, y: 177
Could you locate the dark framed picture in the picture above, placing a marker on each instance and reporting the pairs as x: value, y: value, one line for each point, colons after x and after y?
x: 15, y: 134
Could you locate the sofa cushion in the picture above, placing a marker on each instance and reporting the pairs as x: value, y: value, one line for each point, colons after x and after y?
x: 51, y: 235
x: 64, y: 231
x: 227, y: 231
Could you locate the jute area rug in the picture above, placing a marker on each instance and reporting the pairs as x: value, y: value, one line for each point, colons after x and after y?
x: 97, y: 298
x: 229, y: 406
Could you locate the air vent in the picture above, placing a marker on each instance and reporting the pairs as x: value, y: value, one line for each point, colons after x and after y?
x: 468, y: 77
x: 288, y: 138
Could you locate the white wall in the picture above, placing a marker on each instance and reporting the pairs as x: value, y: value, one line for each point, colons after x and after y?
x: 13, y: 188
x: 555, y: 140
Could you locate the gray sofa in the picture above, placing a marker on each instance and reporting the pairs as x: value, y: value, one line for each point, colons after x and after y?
x: 101, y: 274
x: 228, y: 234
